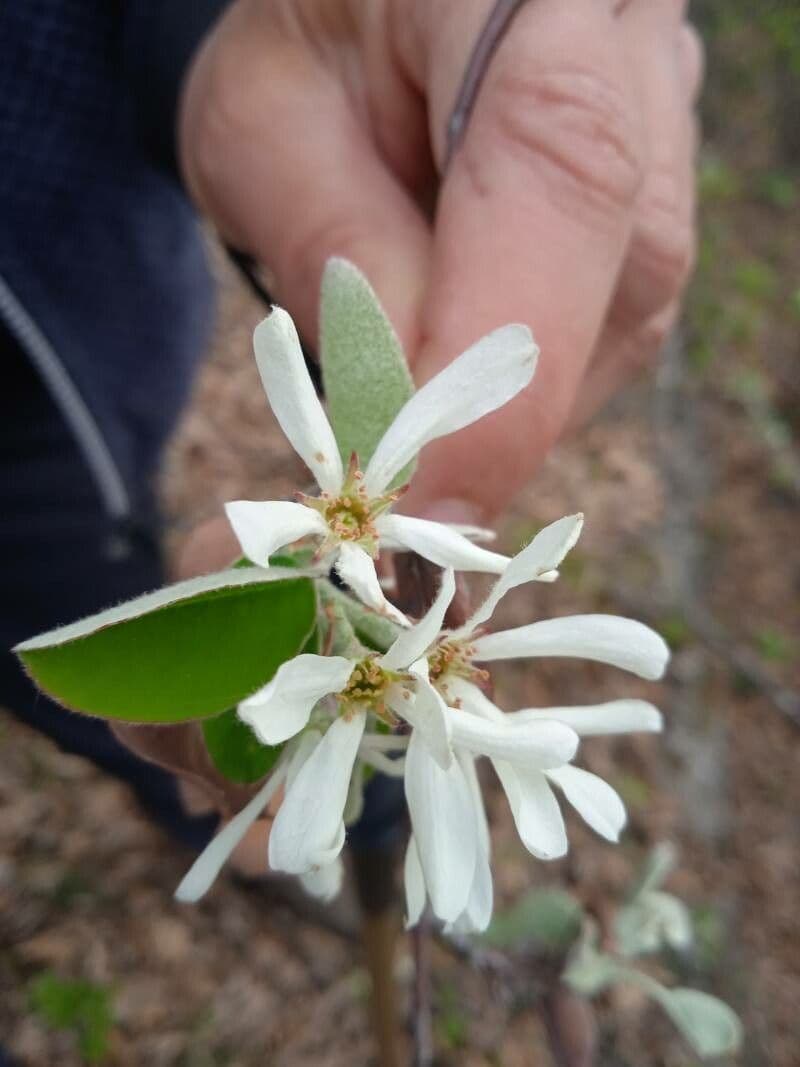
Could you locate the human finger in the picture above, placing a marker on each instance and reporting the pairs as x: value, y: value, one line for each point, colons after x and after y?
x: 532, y: 225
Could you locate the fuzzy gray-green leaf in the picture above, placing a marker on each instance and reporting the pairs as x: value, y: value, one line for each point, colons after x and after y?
x: 366, y: 376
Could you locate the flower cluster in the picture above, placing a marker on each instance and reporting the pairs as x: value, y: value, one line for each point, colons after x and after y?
x: 419, y: 709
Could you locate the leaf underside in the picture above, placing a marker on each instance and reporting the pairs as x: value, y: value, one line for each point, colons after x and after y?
x: 366, y: 376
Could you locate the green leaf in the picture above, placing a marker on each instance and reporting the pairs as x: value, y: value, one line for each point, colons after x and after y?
x: 373, y: 630
x: 652, y: 921
x: 188, y: 651
x: 549, y: 918
x: 78, y: 1006
x: 708, y: 1024
x: 366, y: 376
x: 234, y: 748
x: 589, y: 971
x: 236, y: 751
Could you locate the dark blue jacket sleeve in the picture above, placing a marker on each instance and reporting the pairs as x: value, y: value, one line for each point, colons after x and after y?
x: 160, y: 38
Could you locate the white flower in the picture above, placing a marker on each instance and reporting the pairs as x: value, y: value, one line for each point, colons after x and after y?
x: 321, y: 704
x: 447, y: 858
x: 352, y: 516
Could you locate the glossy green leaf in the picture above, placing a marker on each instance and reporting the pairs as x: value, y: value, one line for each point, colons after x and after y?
x: 188, y: 651
x: 235, y: 750
x: 366, y: 376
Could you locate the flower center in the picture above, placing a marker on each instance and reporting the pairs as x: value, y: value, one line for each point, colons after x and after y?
x: 351, y: 515
x: 453, y: 659
x: 366, y: 690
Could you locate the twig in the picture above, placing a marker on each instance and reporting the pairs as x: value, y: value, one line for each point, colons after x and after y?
x: 491, y: 35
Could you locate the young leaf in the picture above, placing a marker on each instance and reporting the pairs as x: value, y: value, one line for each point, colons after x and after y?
x: 548, y: 918
x: 652, y: 921
x: 188, y: 651
x: 590, y: 971
x: 365, y: 372
x: 373, y: 630
x: 708, y: 1024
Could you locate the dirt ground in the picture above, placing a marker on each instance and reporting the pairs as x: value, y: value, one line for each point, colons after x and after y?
x: 691, y: 489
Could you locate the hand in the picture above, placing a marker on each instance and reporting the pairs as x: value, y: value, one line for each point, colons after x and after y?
x: 317, y: 127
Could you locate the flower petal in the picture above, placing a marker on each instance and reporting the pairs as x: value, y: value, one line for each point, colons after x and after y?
x: 536, y: 561
x: 594, y: 800
x: 610, y: 639
x: 541, y: 744
x: 293, y: 400
x: 414, y: 881
x: 281, y: 708
x: 440, y: 544
x: 413, y: 643
x: 478, y: 913
x: 325, y: 883
x: 428, y: 714
x: 263, y: 526
x: 200, y: 876
x: 596, y: 720
x: 537, y: 815
x: 309, y: 830
x: 357, y: 570
x: 443, y: 820
x: 480, y: 380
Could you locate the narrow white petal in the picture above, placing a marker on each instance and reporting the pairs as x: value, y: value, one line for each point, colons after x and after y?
x: 481, y: 534
x: 391, y: 768
x: 440, y: 544
x: 414, y: 881
x: 478, y: 912
x: 384, y: 743
x: 292, y: 398
x: 325, y: 883
x: 461, y: 693
x: 200, y: 876
x: 443, y: 820
x: 596, y: 720
x: 481, y: 380
x: 538, y: 559
x: 354, y: 805
x: 264, y: 526
x: 541, y: 744
x: 357, y: 570
x: 470, y: 773
x: 537, y: 815
x: 413, y: 643
x: 594, y: 800
x: 430, y: 717
x: 309, y: 830
x: 610, y: 639
x: 281, y: 709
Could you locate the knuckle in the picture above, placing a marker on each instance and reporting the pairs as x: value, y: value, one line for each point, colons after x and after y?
x: 576, y: 127
x: 663, y: 240
x: 309, y: 244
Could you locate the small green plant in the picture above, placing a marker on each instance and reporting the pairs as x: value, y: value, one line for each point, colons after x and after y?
x: 75, y: 1005
x: 775, y: 645
x: 451, y: 1018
